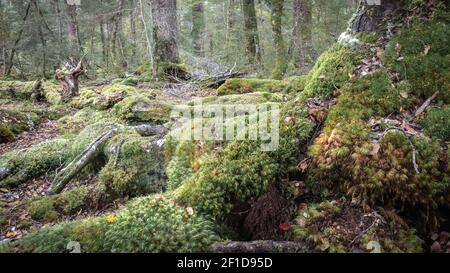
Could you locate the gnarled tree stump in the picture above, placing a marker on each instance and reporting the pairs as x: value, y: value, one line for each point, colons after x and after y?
x: 68, y: 78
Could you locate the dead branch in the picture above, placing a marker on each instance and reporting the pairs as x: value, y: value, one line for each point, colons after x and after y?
x: 259, y: 247
x: 425, y: 105
x: 69, y: 172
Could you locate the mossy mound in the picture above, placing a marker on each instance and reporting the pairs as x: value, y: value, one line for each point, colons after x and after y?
x: 14, y: 122
x: 244, y: 86
x: 339, y: 227
x: 18, y: 90
x: 142, y: 108
x: 420, y: 54
x: 151, y: 224
x: 437, y: 123
x: 49, y: 208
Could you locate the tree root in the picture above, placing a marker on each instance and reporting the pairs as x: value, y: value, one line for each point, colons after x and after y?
x: 93, y: 150
x: 259, y: 247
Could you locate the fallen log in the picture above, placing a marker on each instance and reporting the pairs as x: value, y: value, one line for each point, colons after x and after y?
x: 259, y: 247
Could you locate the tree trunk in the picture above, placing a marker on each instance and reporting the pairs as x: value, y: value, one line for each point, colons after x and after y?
x: 10, y: 63
x: 276, y: 17
x: 301, y: 50
x: 369, y: 16
x: 116, y: 30
x: 230, y: 21
x: 165, y: 32
x: 198, y: 28
x: 252, y: 46
x: 73, y: 34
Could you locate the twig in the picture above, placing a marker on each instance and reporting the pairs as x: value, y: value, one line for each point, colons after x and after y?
x: 425, y: 105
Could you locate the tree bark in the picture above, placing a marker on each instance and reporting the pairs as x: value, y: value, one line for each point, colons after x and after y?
x: 10, y: 64
x: 116, y: 31
x: 73, y: 34
x: 301, y: 50
x: 276, y: 17
x: 369, y: 17
x: 165, y: 32
x: 252, y: 45
x: 198, y: 28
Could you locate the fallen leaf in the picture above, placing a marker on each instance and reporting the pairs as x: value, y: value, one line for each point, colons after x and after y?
x: 190, y: 211
x: 398, y: 49
x: 375, y: 148
x: 11, y: 234
x: 426, y: 50
x: 303, y: 166
x: 111, y: 218
x: 285, y: 226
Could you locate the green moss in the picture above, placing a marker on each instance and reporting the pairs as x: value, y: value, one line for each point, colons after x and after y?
x: 242, y: 170
x: 437, y: 123
x: 423, y: 57
x: 150, y: 224
x: 141, y: 108
x: 49, y: 208
x: 5, y: 134
x: 244, y: 86
x: 139, y: 167
x: 331, y: 71
x: 251, y: 98
x: 345, y: 233
x: 158, y: 225
x: 22, y: 91
x: 81, y: 119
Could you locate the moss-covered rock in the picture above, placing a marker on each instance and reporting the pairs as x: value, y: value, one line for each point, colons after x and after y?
x: 13, y: 122
x: 142, y: 108
x: 244, y: 86
x: 19, y: 90
x: 49, y: 208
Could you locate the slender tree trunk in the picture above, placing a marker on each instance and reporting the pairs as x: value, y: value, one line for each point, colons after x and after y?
x: 10, y: 63
x: 133, y: 32
x: 252, y: 46
x: 276, y: 16
x: 230, y: 23
x: 73, y: 34
x: 301, y: 50
x: 147, y: 36
x: 116, y: 31
x: 165, y: 32
x: 198, y: 28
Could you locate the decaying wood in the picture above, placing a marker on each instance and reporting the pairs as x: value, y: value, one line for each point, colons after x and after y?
x: 69, y: 79
x: 259, y: 247
x: 36, y: 93
x: 69, y: 172
x: 425, y: 105
x: 94, y: 149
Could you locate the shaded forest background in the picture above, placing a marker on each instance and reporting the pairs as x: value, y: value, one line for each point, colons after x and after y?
x: 36, y: 37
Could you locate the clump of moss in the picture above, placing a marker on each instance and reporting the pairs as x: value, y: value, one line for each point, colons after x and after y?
x: 136, y: 165
x: 437, y: 123
x: 250, y: 98
x: 244, y: 86
x: 18, y: 90
x: 71, y: 124
x: 13, y: 122
x: 141, y: 108
x: 241, y: 170
x: 150, y: 224
x: 420, y: 54
x: 49, y: 208
x: 331, y: 71
x: 339, y: 227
